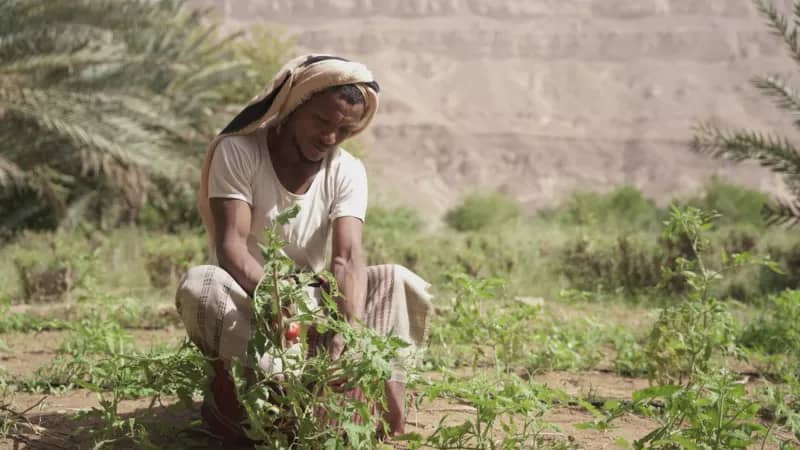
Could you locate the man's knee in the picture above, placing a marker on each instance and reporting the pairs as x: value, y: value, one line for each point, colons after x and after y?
x: 215, y: 310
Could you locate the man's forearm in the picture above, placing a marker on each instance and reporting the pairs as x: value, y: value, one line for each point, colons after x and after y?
x: 351, y: 276
x: 242, y: 266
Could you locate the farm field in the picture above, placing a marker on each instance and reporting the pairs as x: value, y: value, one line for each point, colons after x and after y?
x: 52, y: 413
x: 568, y: 329
x: 173, y: 426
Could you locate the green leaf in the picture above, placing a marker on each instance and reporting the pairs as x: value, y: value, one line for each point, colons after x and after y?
x: 285, y: 216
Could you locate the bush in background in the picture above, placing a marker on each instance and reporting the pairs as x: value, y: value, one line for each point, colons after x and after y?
x: 627, y: 263
x: 775, y: 331
x: 625, y: 207
x: 168, y: 257
x: 735, y: 204
x: 479, y: 211
x: 52, y: 266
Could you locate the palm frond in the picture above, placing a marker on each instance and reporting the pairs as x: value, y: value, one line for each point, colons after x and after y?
x: 54, y: 38
x: 11, y: 175
x: 775, y: 153
x: 780, y: 26
x: 782, y: 213
x: 112, y: 94
x: 784, y: 96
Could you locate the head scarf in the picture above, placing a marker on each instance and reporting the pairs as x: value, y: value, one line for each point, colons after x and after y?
x: 295, y: 83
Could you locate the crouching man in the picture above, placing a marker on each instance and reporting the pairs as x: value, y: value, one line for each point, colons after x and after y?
x: 281, y: 150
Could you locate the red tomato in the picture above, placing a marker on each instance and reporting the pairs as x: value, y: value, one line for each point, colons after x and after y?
x: 293, y: 331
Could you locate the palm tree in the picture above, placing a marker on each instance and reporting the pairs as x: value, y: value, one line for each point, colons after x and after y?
x: 104, y: 102
x: 775, y: 152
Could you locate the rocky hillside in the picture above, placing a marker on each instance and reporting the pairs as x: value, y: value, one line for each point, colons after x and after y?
x: 538, y: 98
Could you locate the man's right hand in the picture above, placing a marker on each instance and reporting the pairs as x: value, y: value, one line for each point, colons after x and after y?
x: 336, y: 347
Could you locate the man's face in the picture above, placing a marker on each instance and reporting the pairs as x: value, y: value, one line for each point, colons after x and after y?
x: 319, y: 125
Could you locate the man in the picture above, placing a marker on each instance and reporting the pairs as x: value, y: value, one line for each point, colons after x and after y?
x: 281, y: 150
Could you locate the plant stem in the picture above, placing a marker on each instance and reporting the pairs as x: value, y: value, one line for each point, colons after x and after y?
x: 278, y: 311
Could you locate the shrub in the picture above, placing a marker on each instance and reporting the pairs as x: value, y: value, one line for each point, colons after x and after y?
x: 626, y: 263
x: 479, y: 211
x: 390, y: 235
x: 736, y: 204
x: 775, y: 331
x: 788, y: 260
x: 51, y: 266
x: 168, y: 257
x: 398, y: 220
x: 625, y: 207
x: 716, y: 412
x: 687, y: 337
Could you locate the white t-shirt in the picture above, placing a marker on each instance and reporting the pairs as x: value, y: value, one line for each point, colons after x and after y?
x: 241, y: 168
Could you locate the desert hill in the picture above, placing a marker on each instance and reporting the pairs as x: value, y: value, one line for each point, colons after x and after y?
x: 539, y: 98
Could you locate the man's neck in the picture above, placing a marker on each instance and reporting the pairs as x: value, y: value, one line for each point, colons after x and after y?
x: 293, y: 172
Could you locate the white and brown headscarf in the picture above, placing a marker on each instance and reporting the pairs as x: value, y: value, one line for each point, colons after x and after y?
x: 295, y: 83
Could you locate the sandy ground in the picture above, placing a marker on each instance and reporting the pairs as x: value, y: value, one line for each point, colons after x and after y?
x: 54, y: 424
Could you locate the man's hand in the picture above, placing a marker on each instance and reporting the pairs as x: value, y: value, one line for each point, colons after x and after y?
x: 336, y: 347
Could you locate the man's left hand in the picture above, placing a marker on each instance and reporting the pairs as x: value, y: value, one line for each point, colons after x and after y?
x: 336, y: 347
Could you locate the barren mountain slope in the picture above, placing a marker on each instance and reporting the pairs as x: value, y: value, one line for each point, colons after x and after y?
x: 540, y: 97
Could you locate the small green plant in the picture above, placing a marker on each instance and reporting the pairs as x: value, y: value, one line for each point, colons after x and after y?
x: 510, y: 334
x: 508, y: 413
x: 782, y: 405
x: 565, y: 346
x: 629, y: 360
x: 714, y: 413
x: 688, y: 335
x: 99, y: 356
x: 13, y: 421
x: 23, y: 322
x: 775, y: 332
x: 114, y: 377
x: 461, y: 333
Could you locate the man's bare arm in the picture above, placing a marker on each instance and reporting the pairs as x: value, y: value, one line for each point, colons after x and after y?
x: 231, y: 228
x: 348, y: 267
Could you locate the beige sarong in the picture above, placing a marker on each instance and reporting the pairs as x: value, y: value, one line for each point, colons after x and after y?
x: 218, y: 313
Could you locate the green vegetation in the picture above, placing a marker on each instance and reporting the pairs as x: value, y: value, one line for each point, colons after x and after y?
x: 677, y: 326
x: 479, y: 211
x: 104, y: 102
x: 701, y: 298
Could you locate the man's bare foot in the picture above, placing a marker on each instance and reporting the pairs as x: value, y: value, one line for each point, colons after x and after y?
x: 395, y: 407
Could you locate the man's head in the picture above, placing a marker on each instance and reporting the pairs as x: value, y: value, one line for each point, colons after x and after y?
x: 323, y: 122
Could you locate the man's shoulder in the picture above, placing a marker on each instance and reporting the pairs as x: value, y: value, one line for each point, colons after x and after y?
x: 344, y: 161
x: 240, y: 143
